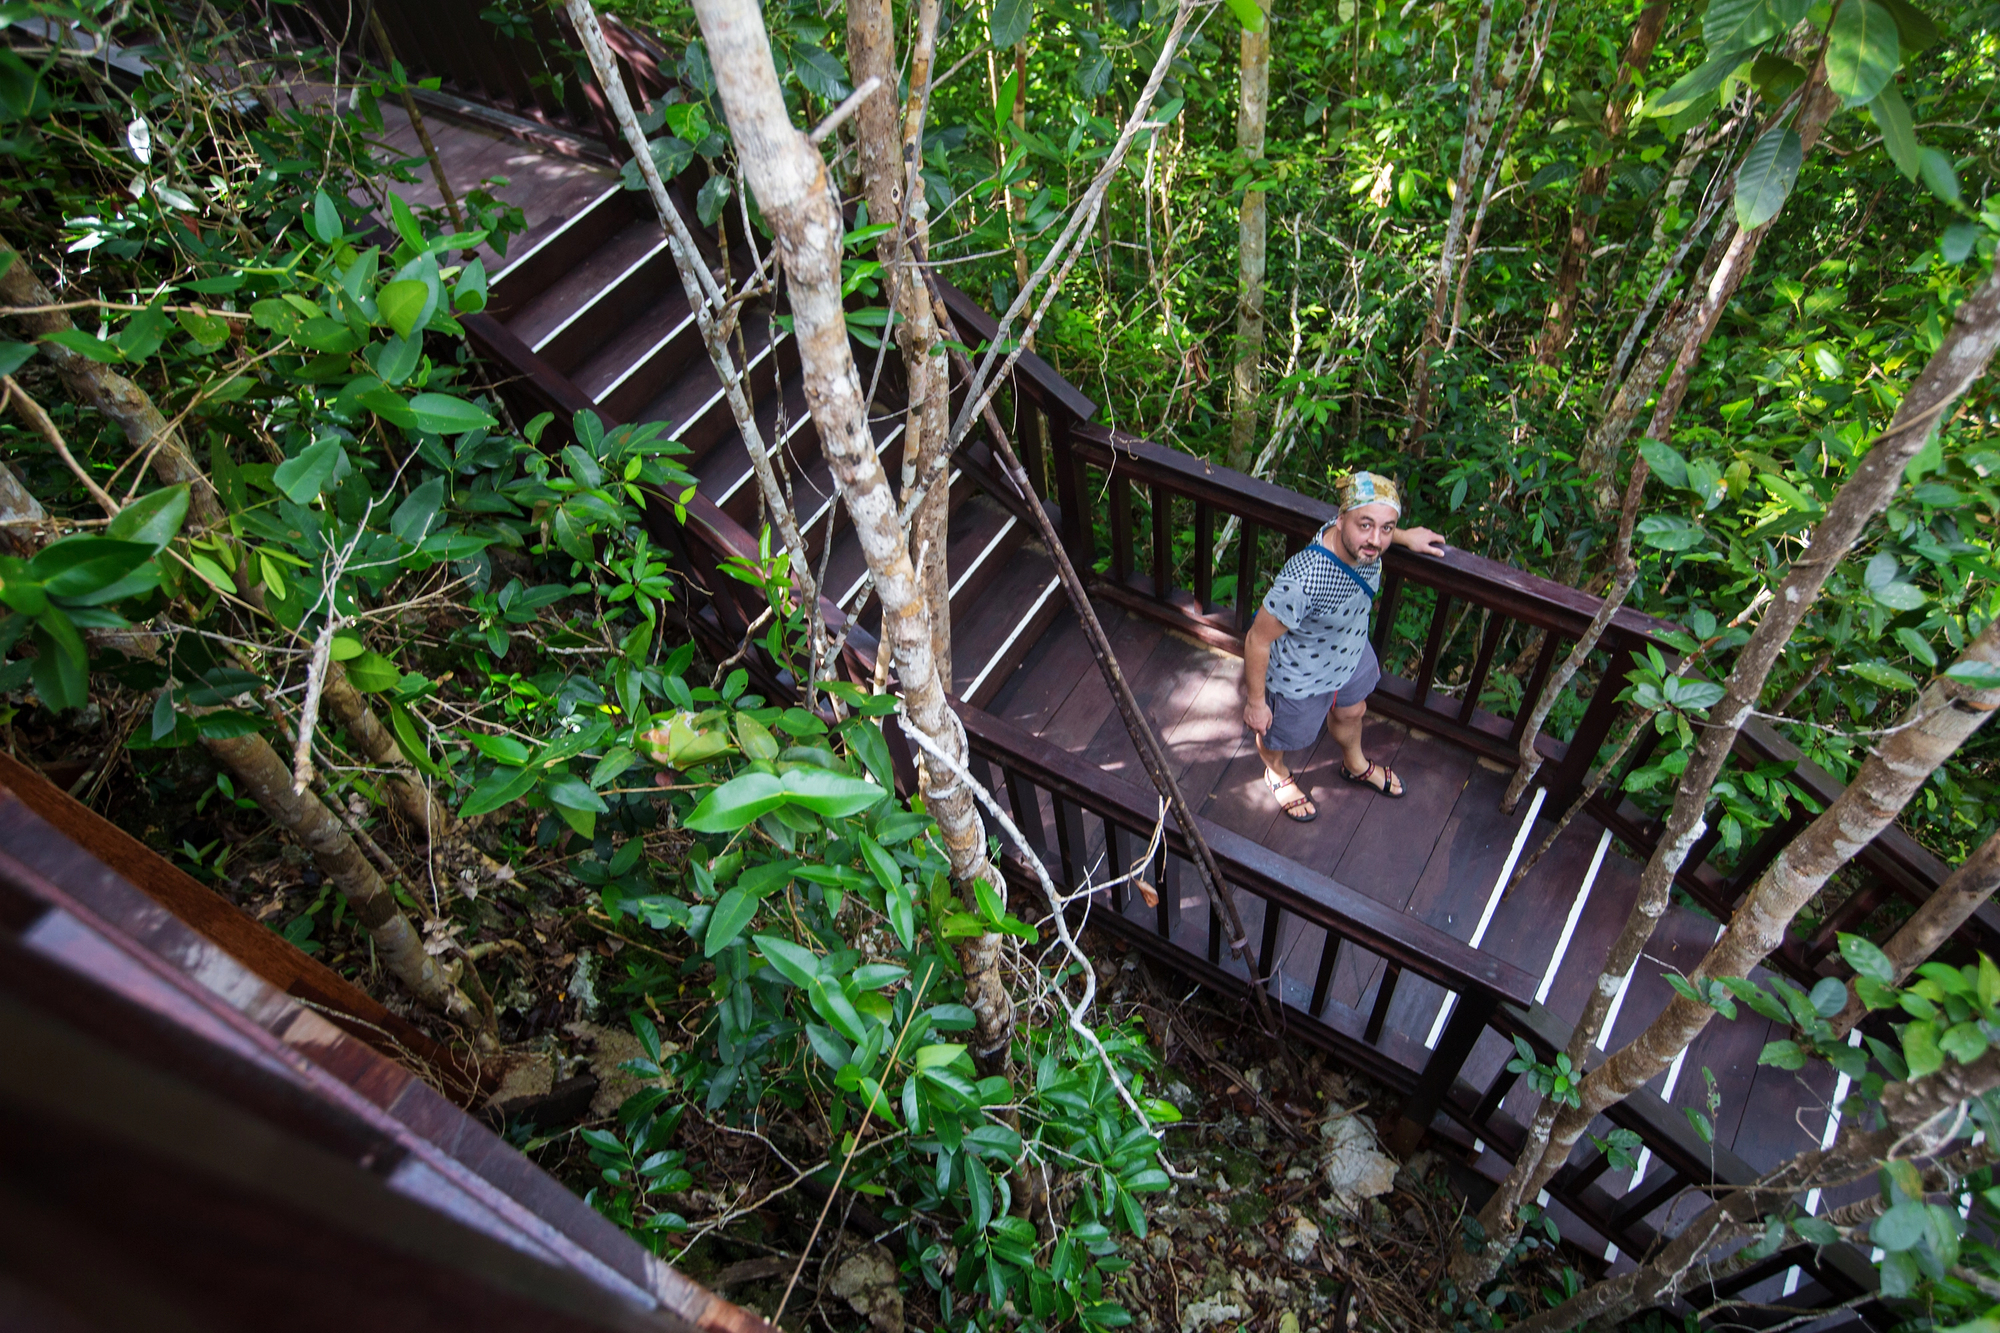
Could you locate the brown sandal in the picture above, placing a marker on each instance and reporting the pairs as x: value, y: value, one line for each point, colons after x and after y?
x: 1366, y: 778
x: 1296, y: 804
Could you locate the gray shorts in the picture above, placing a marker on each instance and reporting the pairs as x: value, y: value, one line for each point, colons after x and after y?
x: 1295, y: 723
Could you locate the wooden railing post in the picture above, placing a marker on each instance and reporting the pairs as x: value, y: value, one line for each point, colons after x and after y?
x: 1566, y: 783
x: 1070, y: 492
x: 1461, y: 1033
x: 1028, y: 438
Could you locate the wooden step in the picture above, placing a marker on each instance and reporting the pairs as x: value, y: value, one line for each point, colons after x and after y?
x: 538, y: 317
x: 533, y: 270
x: 606, y: 294
x: 1008, y: 616
x: 694, y: 407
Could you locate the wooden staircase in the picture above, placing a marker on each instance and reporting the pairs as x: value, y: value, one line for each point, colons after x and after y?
x: 594, y: 312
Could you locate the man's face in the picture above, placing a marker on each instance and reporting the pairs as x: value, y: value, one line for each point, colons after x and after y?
x: 1366, y: 529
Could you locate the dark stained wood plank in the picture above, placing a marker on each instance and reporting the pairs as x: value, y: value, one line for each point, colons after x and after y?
x: 1072, y: 725
x: 540, y: 317
x: 1049, y: 673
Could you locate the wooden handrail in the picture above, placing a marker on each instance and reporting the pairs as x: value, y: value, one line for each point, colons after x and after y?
x: 1416, y: 945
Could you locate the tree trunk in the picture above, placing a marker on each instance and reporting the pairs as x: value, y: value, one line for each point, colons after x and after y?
x: 871, y: 54
x: 1950, y: 906
x: 265, y: 778
x: 1918, y: 1120
x: 789, y: 179
x: 1733, y: 252
x: 1479, y: 114
x: 1253, y: 107
x: 1944, y: 717
x: 1959, y: 361
x: 1560, y: 320
x: 148, y: 431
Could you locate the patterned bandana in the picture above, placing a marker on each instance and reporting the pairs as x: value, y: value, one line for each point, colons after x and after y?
x: 1368, y: 488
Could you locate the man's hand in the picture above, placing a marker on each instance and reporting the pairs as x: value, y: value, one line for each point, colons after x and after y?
x: 1257, y: 717
x: 1420, y: 539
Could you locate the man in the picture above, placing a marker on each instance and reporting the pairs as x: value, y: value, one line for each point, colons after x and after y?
x: 1307, y: 655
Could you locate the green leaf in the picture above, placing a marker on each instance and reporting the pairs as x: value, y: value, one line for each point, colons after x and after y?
x: 402, y: 304
x: 1783, y: 1054
x: 1939, y: 175
x: 406, y: 221
x: 1816, y: 1229
x: 1011, y: 20
x: 727, y: 921
x: 372, y: 673
x: 1915, y: 30
x: 1248, y: 13
x: 1665, y: 462
x: 1862, y: 51
x: 887, y: 873
x: 305, y: 476
x: 1963, y: 1042
x: 1978, y: 675
x: 208, y: 330
x: 1866, y: 959
x: 818, y: 72
x: 14, y: 355
x: 1920, y: 1048
x: 1735, y: 25
x: 80, y: 566
x: 509, y: 784
x: 1694, y: 87
x: 1901, y: 1228
x: 413, y: 518
x: 1829, y: 996
x: 76, y: 340
x: 799, y: 965
x: 324, y: 221
x: 1768, y: 172
x: 1881, y: 673
x: 1899, y: 132
x: 445, y: 415
x: 153, y: 519
x: 737, y: 802
x: 832, y: 795
x: 570, y: 792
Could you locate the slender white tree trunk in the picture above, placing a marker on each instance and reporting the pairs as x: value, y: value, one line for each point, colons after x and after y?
x: 789, y: 180
x: 1252, y: 110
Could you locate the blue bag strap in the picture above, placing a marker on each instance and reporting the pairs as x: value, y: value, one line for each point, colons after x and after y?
x: 1344, y: 568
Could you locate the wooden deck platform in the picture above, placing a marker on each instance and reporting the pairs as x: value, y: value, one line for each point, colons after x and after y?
x: 1441, y: 854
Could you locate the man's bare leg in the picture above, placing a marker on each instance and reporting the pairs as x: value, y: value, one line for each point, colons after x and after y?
x: 1344, y: 721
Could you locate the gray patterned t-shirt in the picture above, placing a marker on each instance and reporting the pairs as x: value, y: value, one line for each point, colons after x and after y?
x: 1326, y: 625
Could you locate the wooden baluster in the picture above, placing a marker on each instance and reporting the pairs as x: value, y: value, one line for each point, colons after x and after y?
x: 1204, y: 554
x: 1026, y: 800
x: 1762, y: 852
x: 1496, y: 1093
x: 1577, y: 1179
x: 1598, y: 717
x: 1433, y: 646
x: 1121, y: 523
x: 1384, y: 993
x: 1246, y: 576
x: 1070, y: 492
x: 1070, y: 844
x: 1468, y: 1020
x: 1028, y: 438
x: 1163, y: 542
x: 1167, y: 916
x: 1538, y: 680
x: 1329, y: 954
x: 1267, y: 949
x: 1489, y: 643
x: 1845, y: 918
x: 1123, y: 852
x: 1385, y: 613
x: 1638, y: 1202
x: 1214, y: 935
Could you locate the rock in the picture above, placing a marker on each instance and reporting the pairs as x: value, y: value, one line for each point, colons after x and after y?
x: 1356, y: 1168
x: 1201, y: 1314
x: 1302, y: 1241
x: 866, y: 1280
x: 609, y: 1048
